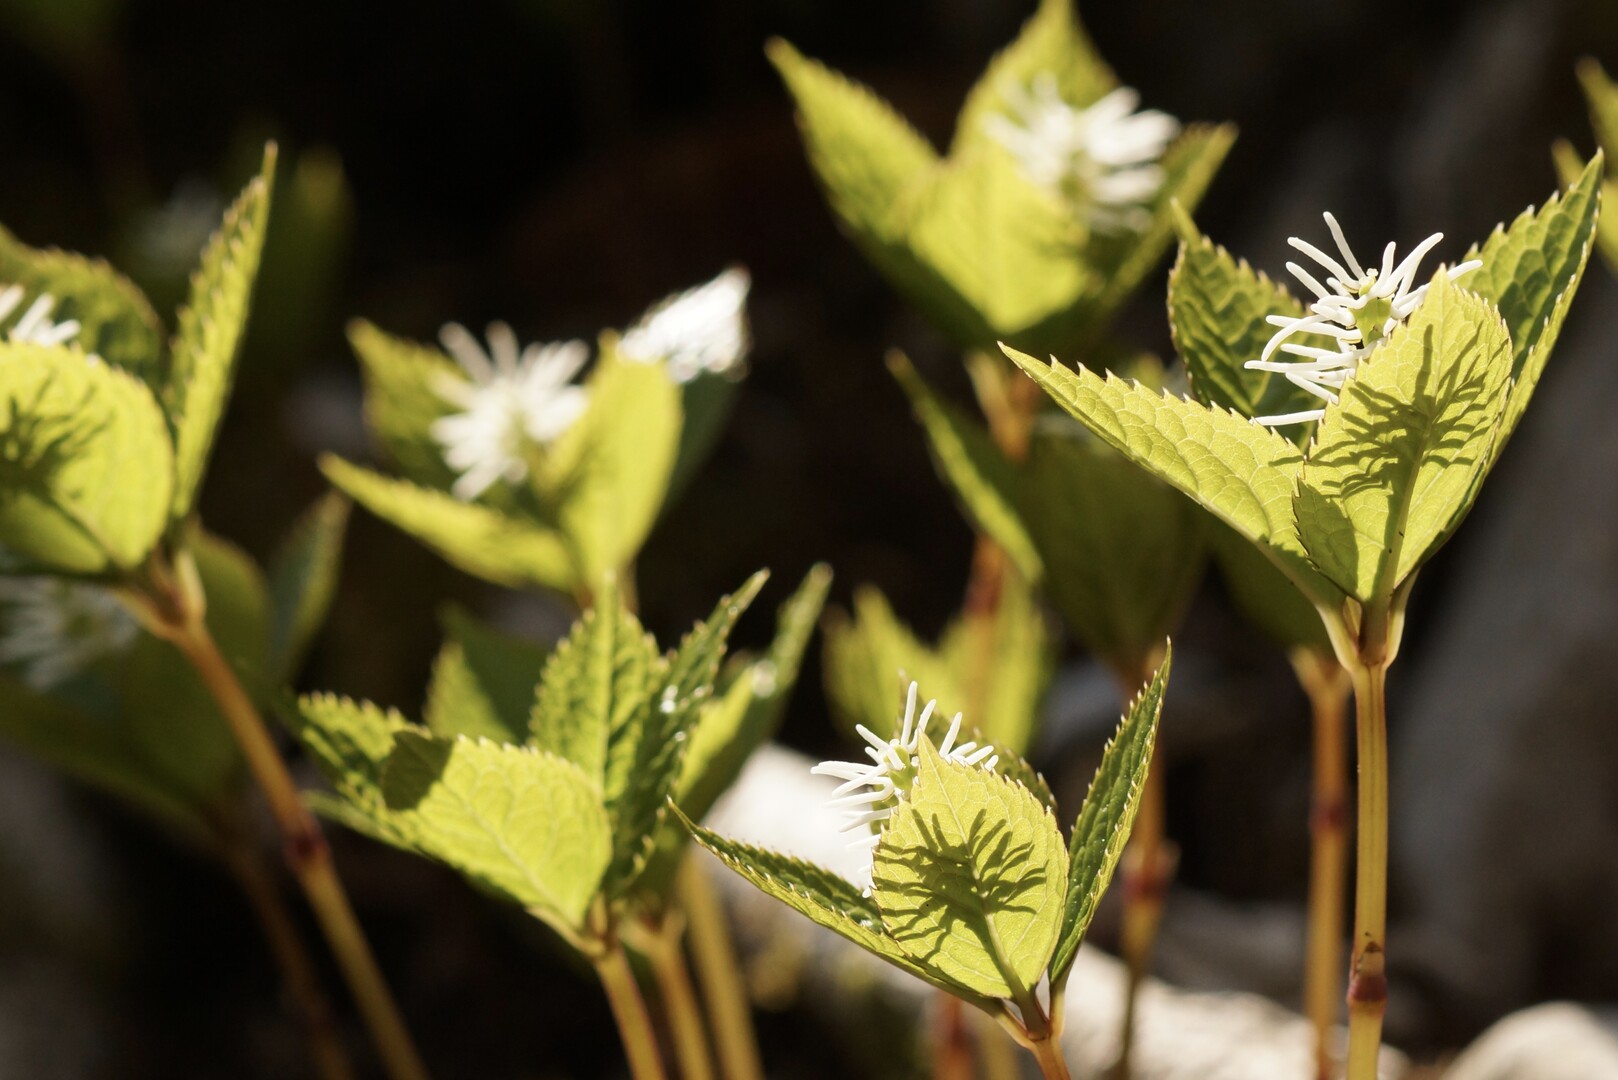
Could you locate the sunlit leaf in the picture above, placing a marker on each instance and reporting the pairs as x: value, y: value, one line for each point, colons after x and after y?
x: 483, y: 682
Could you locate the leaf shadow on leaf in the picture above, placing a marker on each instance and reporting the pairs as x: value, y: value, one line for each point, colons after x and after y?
x: 28, y: 455
x: 405, y: 788
x: 1368, y: 448
x: 949, y: 894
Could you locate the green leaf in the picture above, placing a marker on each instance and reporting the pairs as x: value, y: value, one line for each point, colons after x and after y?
x: 1217, y: 308
x: 983, y: 480
x: 202, y: 356
x: 824, y: 898
x: 1003, y: 695
x: 969, y: 876
x: 1530, y: 272
x: 628, y: 441
x: 350, y: 742
x: 1264, y: 595
x: 729, y: 728
x: 1242, y: 473
x: 483, y: 682
x: 595, y: 694
x: 483, y: 542
x: 871, y: 659
x: 303, y: 581
x: 1102, y: 829
x: 521, y: 823
x: 1053, y: 42
x: 401, y: 403
x: 1123, y: 552
x: 85, y: 462
x: 657, y: 754
x: 1397, y: 461
x: 865, y: 154
x: 1569, y: 167
x: 706, y: 403
x: 115, y: 320
x: 1602, y: 96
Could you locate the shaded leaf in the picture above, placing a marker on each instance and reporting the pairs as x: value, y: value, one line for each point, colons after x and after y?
x: 303, y: 581
x: 483, y: 682
x: 401, y: 402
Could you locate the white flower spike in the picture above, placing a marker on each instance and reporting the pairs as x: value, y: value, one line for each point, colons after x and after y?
x: 50, y: 629
x: 1354, y: 312
x: 700, y: 330
x: 888, y: 778
x: 34, y: 326
x: 1104, y: 156
x: 508, y: 401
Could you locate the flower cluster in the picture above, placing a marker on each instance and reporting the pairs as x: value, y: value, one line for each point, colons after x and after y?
x: 1356, y: 309
x: 509, y: 401
x: 888, y: 778
x: 1105, y: 157
x: 34, y: 326
x: 53, y: 629
x: 702, y: 330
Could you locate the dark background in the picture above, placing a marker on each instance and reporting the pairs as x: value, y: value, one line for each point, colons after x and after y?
x: 562, y: 165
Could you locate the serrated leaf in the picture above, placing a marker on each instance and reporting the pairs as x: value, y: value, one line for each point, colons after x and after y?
x: 1530, y: 273
x: 1569, y: 167
x: 729, y: 728
x: 595, y: 694
x: 983, y: 481
x: 207, y: 338
x: 521, y: 823
x: 1123, y: 552
x: 969, y: 876
x: 1396, y: 462
x: 1103, y: 825
x: 1243, y: 474
x: 350, y: 742
x: 684, y: 688
x: 1051, y: 41
x: 303, y: 581
x: 824, y: 898
x: 481, y: 541
x: 483, y: 682
x: 1217, y: 311
x: 627, y: 443
x: 85, y: 462
x: 871, y: 658
x: 115, y: 320
x: 401, y: 402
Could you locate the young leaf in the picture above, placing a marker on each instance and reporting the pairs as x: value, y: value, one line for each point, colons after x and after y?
x: 1569, y: 167
x: 969, y: 462
x: 303, y: 580
x: 595, y: 694
x: 479, y: 540
x: 627, y: 443
x: 1108, y: 814
x: 825, y: 899
x: 1396, y: 462
x: 1123, y: 551
x: 483, y: 682
x: 870, y: 660
x: 202, y: 356
x: 1004, y: 695
x: 522, y: 823
x: 657, y: 753
x: 1530, y: 273
x: 969, y: 876
x: 1217, y: 308
x: 350, y: 742
x: 1243, y: 474
x: 401, y: 401
x: 85, y: 462
x: 115, y: 320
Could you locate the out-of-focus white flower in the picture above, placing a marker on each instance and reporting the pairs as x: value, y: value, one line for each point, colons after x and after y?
x: 34, y: 325
x: 1103, y: 157
x: 509, y: 400
x: 887, y: 779
x: 700, y: 330
x: 51, y: 629
x: 1354, y: 311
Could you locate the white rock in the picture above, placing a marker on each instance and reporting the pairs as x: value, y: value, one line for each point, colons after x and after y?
x: 1559, y: 1041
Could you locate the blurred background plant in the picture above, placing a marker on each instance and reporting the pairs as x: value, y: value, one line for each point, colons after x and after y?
x: 559, y: 165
